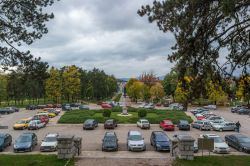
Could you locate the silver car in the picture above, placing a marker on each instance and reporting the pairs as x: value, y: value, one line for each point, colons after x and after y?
x: 227, y: 126
x: 201, y: 124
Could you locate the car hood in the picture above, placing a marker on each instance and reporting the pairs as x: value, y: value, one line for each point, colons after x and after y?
x: 136, y: 142
x: 49, y: 144
x: 162, y: 143
x: 22, y: 144
x: 19, y: 125
x: 221, y: 145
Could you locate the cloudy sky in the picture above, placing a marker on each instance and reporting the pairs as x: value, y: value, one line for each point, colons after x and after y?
x: 108, y: 35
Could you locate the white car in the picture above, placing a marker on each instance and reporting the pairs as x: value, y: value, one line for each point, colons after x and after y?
x: 220, y: 146
x: 216, y: 122
x: 49, y: 143
x: 143, y: 123
x: 35, y: 124
x: 211, y: 107
x: 142, y: 105
x: 135, y: 141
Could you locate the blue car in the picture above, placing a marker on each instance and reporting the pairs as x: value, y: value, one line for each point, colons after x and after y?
x: 25, y: 142
x: 5, y: 140
x: 160, y: 141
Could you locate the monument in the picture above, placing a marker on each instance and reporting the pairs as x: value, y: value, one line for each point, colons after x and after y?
x: 124, y: 107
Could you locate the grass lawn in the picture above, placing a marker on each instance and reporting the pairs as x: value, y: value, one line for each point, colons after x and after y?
x: 32, y: 160
x: 215, y: 161
x: 154, y: 116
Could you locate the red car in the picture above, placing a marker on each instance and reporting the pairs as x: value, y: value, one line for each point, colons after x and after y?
x: 200, y: 117
x: 106, y: 106
x: 43, y: 119
x: 167, y: 125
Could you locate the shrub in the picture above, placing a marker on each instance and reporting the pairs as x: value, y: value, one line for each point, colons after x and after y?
x: 117, y: 109
x: 142, y: 113
x: 106, y: 113
x: 132, y: 109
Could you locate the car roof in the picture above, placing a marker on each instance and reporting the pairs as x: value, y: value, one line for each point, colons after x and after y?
x: 110, y: 133
x: 211, y: 135
x: 159, y: 133
x: 144, y: 120
x: 52, y: 135
x: 134, y: 133
x: 239, y: 136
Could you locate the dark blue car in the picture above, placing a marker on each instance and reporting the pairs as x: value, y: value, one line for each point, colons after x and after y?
x: 25, y: 142
x: 5, y: 140
x: 160, y: 141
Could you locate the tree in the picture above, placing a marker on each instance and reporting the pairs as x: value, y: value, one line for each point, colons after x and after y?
x: 149, y: 79
x: 146, y: 93
x: 215, y: 92
x: 183, y: 91
x: 3, y: 88
x: 202, y: 29
x: 53, y: 85
x: 21, y: 22
x: 157, y: 92
x: 170, y: 83
x: 135, y: 90
x: 71, y: 82
x: 243, y: 91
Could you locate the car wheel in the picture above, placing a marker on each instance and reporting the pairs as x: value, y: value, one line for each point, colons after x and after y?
x: 221, y: 130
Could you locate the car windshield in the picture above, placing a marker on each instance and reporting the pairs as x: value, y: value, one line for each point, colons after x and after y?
x: 244, y: 140
x: 20, y: 122
x: 217, y: 139
x: 184, y: 122
x: 168, y: 123
x: 161, y: 138
x: 109, y: 138
x: 109, y: 121
x: 144, y: 121
x: 1, y: 140
x: 50, y: 139
x: 135, y: 137
x: 24, y: 138
x: 33, y: 122
x: 89, y: 122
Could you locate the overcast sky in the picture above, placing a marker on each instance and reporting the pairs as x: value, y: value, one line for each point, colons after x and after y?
x: 106, y: 34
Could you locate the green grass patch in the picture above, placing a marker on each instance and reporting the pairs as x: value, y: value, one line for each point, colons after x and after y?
x: 32, y: 160
x: 154, y: 116
x: 215, y: 161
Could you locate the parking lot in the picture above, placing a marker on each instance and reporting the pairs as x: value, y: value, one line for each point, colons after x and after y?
x: 92, y: 139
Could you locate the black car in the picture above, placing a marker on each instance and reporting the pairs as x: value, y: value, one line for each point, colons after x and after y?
x: 110, y: 124
x: 25, y: 142
x: 5, y: 140
x: 183, y: 125
x: 31, y: 107
x: 160, y: 141
x: 6, y: 110
x: 243, y: 111
x: 239, y: 142
x: 90, y: 124
x: 110, y: 142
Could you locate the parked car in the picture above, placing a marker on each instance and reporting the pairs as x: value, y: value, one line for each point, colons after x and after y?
x: 75, y: 106
x: 6, y: 111
x: 216, y: 122
x: 42, y: 118
x: 110, y: 124
x: 110, y: 142
x: 183, y: 125
x: 25, y: 142
x: 149, y: 106
x: 66, y: 107
x: 175, y: 106
x: 227, y: 126
x: 90, y: 124
x: 41, y: 106
x: 52, y: 111
x: 213, y: 118
x: 45, y: 113
x: 239, y: 142
x: 201, y: 124
x: 22, y: 124
x: 84, y: 107
x: 106, y: 105
x: 5, y: 141
x: 199, y: 110
x: 31, y: 107
x: 220, y: 145
x: 210, y: 107
x: 135, y: 141
x: 35, y: 125
x: 200, y: 117
x: 12, y: 109
x: 237, y: 108
x: 49, y: 144
x: 167, y: 125
x: 243, y: 111
x: 160, y: 141
x: 143, y: 124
